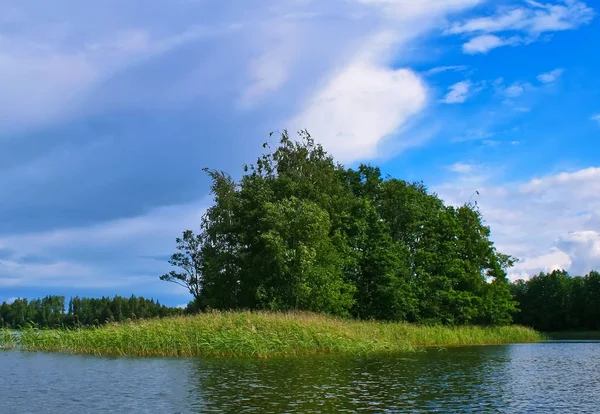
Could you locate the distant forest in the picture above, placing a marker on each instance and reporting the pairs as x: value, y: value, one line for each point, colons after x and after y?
x: 299, y: 231
x: 556, y: 301
x: 51, y: 312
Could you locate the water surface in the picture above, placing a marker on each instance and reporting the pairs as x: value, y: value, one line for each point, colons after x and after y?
x: 537, y: 378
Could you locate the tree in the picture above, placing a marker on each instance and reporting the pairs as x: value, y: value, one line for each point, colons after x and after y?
x: 299, y: 231
x: 189, y: 259
x: 546, y: 301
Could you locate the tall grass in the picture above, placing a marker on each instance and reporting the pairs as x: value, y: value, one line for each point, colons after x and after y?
x: 261, y: 334
x: 7, y: 339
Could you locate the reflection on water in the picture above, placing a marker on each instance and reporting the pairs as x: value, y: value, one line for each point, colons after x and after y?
x: 548, y: 377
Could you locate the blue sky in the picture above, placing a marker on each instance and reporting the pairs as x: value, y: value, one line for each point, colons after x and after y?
x: 109, y: 111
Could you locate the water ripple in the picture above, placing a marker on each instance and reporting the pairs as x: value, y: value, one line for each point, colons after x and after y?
x: 540, y: 378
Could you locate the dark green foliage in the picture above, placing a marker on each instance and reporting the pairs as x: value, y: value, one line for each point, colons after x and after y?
x: 300, y: 232
x: 556, y: 301
x: 50, y: 311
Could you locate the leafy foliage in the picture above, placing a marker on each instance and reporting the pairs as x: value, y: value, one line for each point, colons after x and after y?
x: 299, y: 231
x: 556, y: 301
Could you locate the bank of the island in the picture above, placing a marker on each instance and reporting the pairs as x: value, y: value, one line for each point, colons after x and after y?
x: 573, y: 335
x: 260, y: 334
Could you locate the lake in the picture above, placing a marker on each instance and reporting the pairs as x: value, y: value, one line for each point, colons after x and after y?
x: 548, y: 377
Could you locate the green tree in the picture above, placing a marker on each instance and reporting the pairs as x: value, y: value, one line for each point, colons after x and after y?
x: 189, y: 260
x: 298, y: 231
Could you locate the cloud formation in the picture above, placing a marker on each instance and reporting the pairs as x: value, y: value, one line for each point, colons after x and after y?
x: 510, y: 26
x: 550, y: 77
x: 514, y: 90
x: 108, y: 112
x: 518, y: 214
x: 360, y: 107
x: 457, y: 93
x: 118, y: 254
x: 484, y: 43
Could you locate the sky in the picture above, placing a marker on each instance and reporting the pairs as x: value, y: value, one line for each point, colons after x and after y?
x: 109, y: 111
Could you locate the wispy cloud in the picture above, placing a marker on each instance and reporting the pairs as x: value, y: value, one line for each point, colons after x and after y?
x: 441, y: 69
x: 550, y: 77
x: 366, y: 101
x: 473, y: 135
x: 484, y: 43
x: 46, y: 79
x: 461, y: 168
x: 514, y: 90
x: 117, y: 253
x: 530, y: 22
x: 596, y: 118
x: 457, y: 93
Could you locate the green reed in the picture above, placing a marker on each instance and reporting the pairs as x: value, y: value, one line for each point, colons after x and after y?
x: 261, y: 334
x: 7, y: 339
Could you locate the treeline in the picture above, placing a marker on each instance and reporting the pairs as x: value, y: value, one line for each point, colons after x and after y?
x: 51, y: 312
x: 299, y: 231
x: 557, y: 302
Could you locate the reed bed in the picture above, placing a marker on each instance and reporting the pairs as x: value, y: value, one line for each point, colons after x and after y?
x: 260, y: 334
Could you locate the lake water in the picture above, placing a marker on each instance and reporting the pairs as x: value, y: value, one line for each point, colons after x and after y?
x: 548, y: 377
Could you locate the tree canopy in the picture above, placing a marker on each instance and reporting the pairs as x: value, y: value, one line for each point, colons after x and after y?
x: 299, y: 231
x: 556, y: 301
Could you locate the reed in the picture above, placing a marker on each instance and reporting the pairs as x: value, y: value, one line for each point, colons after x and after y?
x: 7, y: 339
x: 261, y: 334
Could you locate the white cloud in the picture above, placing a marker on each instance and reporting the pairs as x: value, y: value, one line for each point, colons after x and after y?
x: 555, y: 259
x: 356, y: 108
x: 550, y: 77
x: 531, y: 21
x: 538, y: 18
x: 409, y: 9
x: 457, y: 93
x: 440, y: 69
x: 583, y: 249
x: 461, y: 168
x: 515, y: 90
x: 485, y: 43
x: 596, y: 118
x: 361, y: 106
x: 519, y: 214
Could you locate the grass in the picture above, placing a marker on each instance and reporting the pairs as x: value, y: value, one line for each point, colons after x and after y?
x: 574, y: 335
x: 7, y: 340
x: 260, y: 334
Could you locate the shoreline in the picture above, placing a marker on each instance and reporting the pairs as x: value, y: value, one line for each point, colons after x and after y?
x: 573, y: 335
x: 260, y: 335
